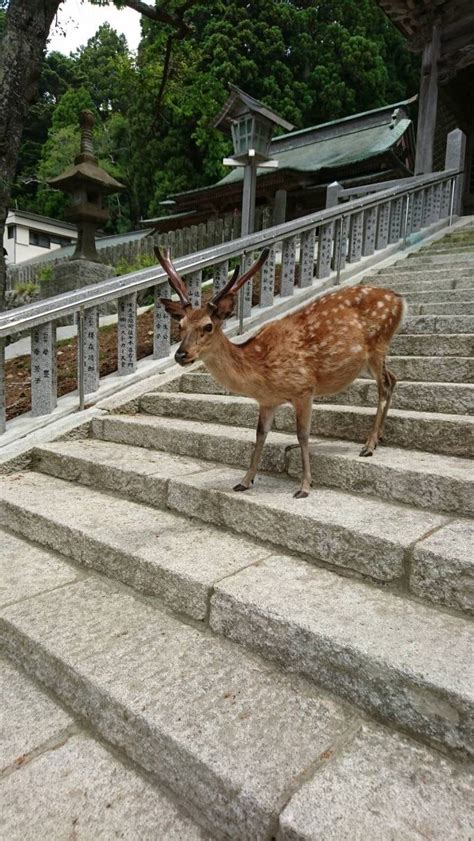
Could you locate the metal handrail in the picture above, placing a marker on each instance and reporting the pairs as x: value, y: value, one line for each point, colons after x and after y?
x: 32, y: 315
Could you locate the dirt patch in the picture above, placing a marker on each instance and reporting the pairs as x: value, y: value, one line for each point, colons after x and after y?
x: 18, y: 370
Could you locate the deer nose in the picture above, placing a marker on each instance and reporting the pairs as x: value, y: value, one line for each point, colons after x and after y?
x: 180, y: 356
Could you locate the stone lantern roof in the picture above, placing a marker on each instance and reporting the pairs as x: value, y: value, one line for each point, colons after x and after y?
x: 85, y: 170
x: 240, y: 103
x: 87, y: 183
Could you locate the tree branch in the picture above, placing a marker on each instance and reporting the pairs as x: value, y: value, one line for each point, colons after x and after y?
x: 161, y: 16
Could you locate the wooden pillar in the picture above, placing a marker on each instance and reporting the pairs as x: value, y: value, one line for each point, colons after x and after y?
x: 428, y: 104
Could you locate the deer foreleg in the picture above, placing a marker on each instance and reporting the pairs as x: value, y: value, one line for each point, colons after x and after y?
x: 385, y: 384
x: 264, y: 425
x: 303, y: 410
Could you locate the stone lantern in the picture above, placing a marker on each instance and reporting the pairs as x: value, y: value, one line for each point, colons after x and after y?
x: 86, y: 182
x: 251, y: 125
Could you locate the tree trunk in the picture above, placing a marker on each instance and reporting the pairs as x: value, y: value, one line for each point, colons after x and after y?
x: 22, y: 49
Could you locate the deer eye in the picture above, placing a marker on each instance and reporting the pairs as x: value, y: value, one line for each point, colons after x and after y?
x: 207, y: 328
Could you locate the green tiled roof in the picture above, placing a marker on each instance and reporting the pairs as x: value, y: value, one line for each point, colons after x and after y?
x: 336, y: 151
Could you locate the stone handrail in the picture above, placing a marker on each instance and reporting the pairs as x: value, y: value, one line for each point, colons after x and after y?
x: 324, y: 240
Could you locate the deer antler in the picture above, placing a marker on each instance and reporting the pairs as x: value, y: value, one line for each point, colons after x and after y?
x: 175, y: 279
x: 236, y: 282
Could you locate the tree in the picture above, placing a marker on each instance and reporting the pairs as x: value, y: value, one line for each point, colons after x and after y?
x: 26, y: 28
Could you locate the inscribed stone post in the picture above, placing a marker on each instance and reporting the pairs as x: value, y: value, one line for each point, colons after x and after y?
x: 221, y: 275
x: 246, y: 291
x: 307, y: 244
x: 91, y: 373
x: 325, y: 237
x: 127, y: 334
x: 396, y: 217
x: 355, y: 237
x: 288, y: 261
x: 161, y: 323
x: 417, y: 210
x: 43, y: 370
x: 370, y: 230
x: 193, y: 285
x: 267, y: 280
x: 383, y: 226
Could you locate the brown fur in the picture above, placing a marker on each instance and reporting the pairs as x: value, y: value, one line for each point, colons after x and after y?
x: 320, y: 349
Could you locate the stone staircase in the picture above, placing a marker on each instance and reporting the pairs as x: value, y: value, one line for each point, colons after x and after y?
x: 288, y: 670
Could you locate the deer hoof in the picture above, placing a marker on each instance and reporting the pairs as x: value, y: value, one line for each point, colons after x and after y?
x: 300, y: 494
x: 366, y: 451
x: 240, y: 487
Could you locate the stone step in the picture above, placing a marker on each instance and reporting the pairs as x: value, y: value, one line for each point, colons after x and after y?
x: 408, y: 283
x: 229, y: 734
x: 60, y: 782
x: 438, y: 324
x: 420, y: 396
x: 431, y: 271
x: 235, y: 739
x: 458, y: 246
x: 427, y: 369
x: 439, y: 570
x: 395, y: 475
x: 462, y: 307
x: 429, y: 431
x: 439, y: 259
x: 456, y: 345
x: 160, y: 554
x: 437, y: 295
x: 315, y: 626
x: 163, y: 555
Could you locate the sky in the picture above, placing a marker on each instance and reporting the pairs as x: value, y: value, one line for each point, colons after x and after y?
x: 81, y: 21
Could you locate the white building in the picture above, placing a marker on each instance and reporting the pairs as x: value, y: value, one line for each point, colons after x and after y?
x: 28, y: 235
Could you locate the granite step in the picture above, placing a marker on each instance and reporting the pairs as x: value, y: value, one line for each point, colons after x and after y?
x: 449, y: 258
x: 438, y: 568
x: 418, y: 282
x: 58, y: 781
x: 158, y: 553
x: 438, y: 295
x: 462, y: 307
x: 161, y: 554
x: 423, y: 369
x: 430, y: 369
x: 231, y: 738
x: 428, y: 431
x: 431, y: 271
x: 456, y: 345
x: 438, y: 324
x: 237, y: 741
x: 420, y: 396
x: 351, y: 533
x: 398, y: 475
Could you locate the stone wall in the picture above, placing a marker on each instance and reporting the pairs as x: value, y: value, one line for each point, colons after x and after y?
x: 181, y: 242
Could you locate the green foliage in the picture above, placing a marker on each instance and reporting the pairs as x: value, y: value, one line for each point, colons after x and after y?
x: 143, y: 261
x: 310, y: 60
x: 27, y: 289
x: 45, y: 274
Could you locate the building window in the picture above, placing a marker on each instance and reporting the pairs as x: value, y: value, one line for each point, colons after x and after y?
x: 11, y: 231
x: 57, y: 240
x: 39, y: 239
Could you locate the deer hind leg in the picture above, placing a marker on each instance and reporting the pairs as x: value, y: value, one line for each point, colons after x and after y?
x: 303, y: 410
x: 386, y: 382
x: 264, y: 425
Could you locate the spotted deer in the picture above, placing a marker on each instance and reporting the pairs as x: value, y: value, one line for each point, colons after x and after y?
x: 318, y: 350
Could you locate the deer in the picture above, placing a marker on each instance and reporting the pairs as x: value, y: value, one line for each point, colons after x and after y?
x: 319, y: 349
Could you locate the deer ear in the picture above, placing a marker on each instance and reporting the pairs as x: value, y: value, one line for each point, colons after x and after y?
x: 173, y: 308
x: 224, y: 308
